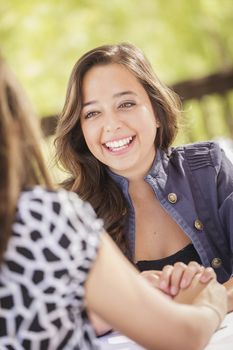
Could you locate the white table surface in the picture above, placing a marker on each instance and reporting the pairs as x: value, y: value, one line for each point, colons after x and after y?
x: 221, y: 340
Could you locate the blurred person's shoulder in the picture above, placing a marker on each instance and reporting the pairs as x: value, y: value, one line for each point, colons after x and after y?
x: 59, y: 207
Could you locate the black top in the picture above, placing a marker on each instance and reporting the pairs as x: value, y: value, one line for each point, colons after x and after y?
x: 184, y: 255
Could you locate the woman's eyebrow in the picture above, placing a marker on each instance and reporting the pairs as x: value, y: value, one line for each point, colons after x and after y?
x: 122, y: 93
x: 89, y: 103
x: 118, y: 94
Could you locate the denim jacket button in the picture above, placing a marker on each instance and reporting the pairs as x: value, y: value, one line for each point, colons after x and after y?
x: 216, y: 262
x: 198, y: 225
x: 172, y: 198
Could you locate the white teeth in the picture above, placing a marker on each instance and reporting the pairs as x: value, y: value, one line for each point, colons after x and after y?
x: 119, y: 143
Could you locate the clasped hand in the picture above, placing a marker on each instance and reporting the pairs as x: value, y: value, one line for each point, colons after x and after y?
x: 174, y: 278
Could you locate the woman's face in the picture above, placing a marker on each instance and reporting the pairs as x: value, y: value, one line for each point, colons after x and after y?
x: 118, y: 121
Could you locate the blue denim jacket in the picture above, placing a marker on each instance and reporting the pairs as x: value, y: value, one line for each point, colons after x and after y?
x: 201, y: 177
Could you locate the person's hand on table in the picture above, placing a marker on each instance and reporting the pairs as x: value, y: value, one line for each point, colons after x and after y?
x: 174, y: 278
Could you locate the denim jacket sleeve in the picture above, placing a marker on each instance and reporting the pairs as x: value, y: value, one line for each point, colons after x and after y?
x: 211, y: 178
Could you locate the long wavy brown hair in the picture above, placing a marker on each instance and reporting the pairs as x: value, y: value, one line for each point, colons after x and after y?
x: 87, y: 176
x: 21, y: 161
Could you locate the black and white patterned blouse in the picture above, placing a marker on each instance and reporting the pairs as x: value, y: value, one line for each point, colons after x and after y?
x: 53, y: 245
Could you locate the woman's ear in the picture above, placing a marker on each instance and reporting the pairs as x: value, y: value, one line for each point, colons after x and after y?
x: 157, y: 123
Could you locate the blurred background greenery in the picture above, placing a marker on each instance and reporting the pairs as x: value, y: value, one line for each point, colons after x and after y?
x: 41, y: 41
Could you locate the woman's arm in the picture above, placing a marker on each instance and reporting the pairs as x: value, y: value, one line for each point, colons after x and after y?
x: 100, y: 326
x: 119, y: 295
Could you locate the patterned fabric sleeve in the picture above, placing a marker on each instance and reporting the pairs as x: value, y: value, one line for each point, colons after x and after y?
x: 69, y: 221
x: 54, y: 243
x: 84, y: 230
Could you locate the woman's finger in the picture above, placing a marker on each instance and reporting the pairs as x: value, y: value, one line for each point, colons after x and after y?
x: 165, y: 278
x: 176, y: 277
x: 152, y: 276
x: 192, y: 269
x: 207, y: 275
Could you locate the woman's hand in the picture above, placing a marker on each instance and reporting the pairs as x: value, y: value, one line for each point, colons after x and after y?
x: 212, y: 295
x: 174, y: 278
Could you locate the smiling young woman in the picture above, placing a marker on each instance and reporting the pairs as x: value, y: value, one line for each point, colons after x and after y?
x: 113, y: 137
x: 154, y: 127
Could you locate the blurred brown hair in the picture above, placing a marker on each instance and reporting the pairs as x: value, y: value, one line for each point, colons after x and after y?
x: 21, y: 161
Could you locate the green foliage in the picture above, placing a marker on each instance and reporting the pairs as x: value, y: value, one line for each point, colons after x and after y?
x: 183, y: 39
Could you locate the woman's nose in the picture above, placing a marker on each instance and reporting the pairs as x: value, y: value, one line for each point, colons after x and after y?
x: 112, y: 123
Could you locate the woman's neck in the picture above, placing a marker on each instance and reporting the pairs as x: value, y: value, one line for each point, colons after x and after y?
x: 139, y: 188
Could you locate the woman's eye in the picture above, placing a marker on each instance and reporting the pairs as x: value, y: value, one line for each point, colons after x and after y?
x: 92, y: 114
x: 127, y: 104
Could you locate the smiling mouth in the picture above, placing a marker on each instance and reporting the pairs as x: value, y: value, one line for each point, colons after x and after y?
x: 115, y: 146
